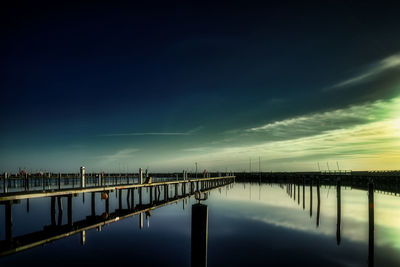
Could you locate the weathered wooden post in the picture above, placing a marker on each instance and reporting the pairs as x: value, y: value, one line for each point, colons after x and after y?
x: 199, y: 235
x: 8, y: 218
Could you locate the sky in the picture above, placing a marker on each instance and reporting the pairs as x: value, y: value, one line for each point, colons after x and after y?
x: 241, y: 86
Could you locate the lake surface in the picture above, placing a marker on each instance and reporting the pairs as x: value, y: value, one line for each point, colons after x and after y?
x: 248, y: 224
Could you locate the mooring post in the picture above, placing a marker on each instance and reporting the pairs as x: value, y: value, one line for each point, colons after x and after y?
x: 371, y: 223
x: 82, y: 176
x: 199, y: 235
x: 8, y: 219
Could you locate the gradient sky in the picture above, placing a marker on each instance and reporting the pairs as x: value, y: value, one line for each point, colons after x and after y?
x: 117, y: 87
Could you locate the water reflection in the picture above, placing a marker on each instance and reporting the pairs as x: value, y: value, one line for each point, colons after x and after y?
x: 334, y: 222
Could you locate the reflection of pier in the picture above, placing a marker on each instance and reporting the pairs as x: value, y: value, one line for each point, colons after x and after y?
x: 55, y: 231
x: 371, y: 190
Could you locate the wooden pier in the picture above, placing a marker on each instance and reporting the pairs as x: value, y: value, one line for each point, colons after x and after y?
x: 188, y: 188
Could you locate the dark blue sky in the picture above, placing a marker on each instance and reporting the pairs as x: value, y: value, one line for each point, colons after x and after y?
x: 111, y: 84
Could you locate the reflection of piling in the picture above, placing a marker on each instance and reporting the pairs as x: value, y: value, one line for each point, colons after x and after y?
x: 70, y: 222
x: 141, y: 220
x: 83, y: 238
x: 338, y: 194
x: 53, y: 210
x: 60, y: 210
x: 371, y: 224
x: 298, y: 192
x: 93, y: 202
x: 319, y: 200
x: 294, y: 195
x: 199, y: 235
x: 304, y: 195
x: 311, y: 185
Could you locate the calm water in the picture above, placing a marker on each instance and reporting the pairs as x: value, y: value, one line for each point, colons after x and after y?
x: 248, y: 224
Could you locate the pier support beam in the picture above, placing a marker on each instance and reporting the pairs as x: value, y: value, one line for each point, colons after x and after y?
x: 70, y: 220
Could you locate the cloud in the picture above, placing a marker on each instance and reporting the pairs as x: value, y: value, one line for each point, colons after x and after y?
x: 120, y: 155
x: 359, y: 137
x: 313, y: 124
x: 190, y: 132
x: 383, y: 65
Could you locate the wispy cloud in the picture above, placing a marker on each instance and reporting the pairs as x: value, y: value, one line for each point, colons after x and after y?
x: 122, y: 154
x: 312, y: 124
x: 190, y: 132
x: 383, y: 65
